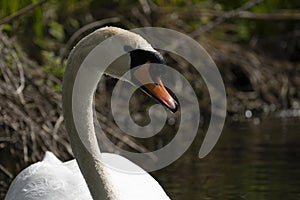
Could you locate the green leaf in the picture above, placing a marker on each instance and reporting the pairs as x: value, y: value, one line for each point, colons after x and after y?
x: 6, y: 27
x: 56, y: 30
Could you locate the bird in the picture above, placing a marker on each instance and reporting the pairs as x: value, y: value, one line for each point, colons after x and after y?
x: 86, y: 177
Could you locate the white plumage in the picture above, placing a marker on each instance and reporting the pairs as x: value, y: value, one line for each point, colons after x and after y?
x: 87, y: 176
x: 52, y: 179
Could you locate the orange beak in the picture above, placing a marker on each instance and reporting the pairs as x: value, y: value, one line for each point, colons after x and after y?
x: 159, y: 92
x: 155, y: 90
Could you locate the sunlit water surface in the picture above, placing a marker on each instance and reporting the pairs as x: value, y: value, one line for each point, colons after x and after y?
x: 249, y: 162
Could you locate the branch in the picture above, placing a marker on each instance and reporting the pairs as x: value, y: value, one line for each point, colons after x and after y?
x: 269, y: 16
x: 6, y: 172
x: 224, y: 17
x: 21, y: 12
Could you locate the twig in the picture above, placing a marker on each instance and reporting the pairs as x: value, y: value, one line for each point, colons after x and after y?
x: 142, y: 18
x: 224, y: 17
x: 56, y: 128
x: 6, y: 172
x: 5, y: 139
x: 281, y: 14
x: 145, y: 6
x: 269, y: 16
x: 21, y: 12
x: 57, y: 124
x: 21, y: 87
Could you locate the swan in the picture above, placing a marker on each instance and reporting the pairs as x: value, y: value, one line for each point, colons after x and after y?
x: 87, y: 177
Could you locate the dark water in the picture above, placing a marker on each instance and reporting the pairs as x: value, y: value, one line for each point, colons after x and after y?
x: 249, y: 162
x: 259, y: 162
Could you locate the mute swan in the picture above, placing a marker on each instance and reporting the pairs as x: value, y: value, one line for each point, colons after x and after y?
x: 53, y: 179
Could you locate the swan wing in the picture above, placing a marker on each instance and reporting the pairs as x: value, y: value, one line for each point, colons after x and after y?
x: 52, y: 179
x: 49, y: 179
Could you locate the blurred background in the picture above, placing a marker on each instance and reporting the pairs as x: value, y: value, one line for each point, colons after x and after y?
x: 255, y: 44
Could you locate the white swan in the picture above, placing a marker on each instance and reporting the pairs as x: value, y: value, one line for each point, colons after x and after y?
x: 53, y: 179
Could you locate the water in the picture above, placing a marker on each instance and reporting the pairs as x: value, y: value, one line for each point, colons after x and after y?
x: 249, y: 162
x: 259, y: 162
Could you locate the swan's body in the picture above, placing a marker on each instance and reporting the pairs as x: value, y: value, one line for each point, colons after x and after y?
x: 53, y: 179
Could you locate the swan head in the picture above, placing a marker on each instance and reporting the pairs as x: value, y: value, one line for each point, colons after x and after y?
x: 140, y: 58
x: 144, y: 63
x: 147, y: 73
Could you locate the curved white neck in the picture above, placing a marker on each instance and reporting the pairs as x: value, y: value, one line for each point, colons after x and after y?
x: 78, y: 93
x: 80, y: 81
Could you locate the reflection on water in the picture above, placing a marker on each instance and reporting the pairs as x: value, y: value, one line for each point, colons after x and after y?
x: 248, y: 162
